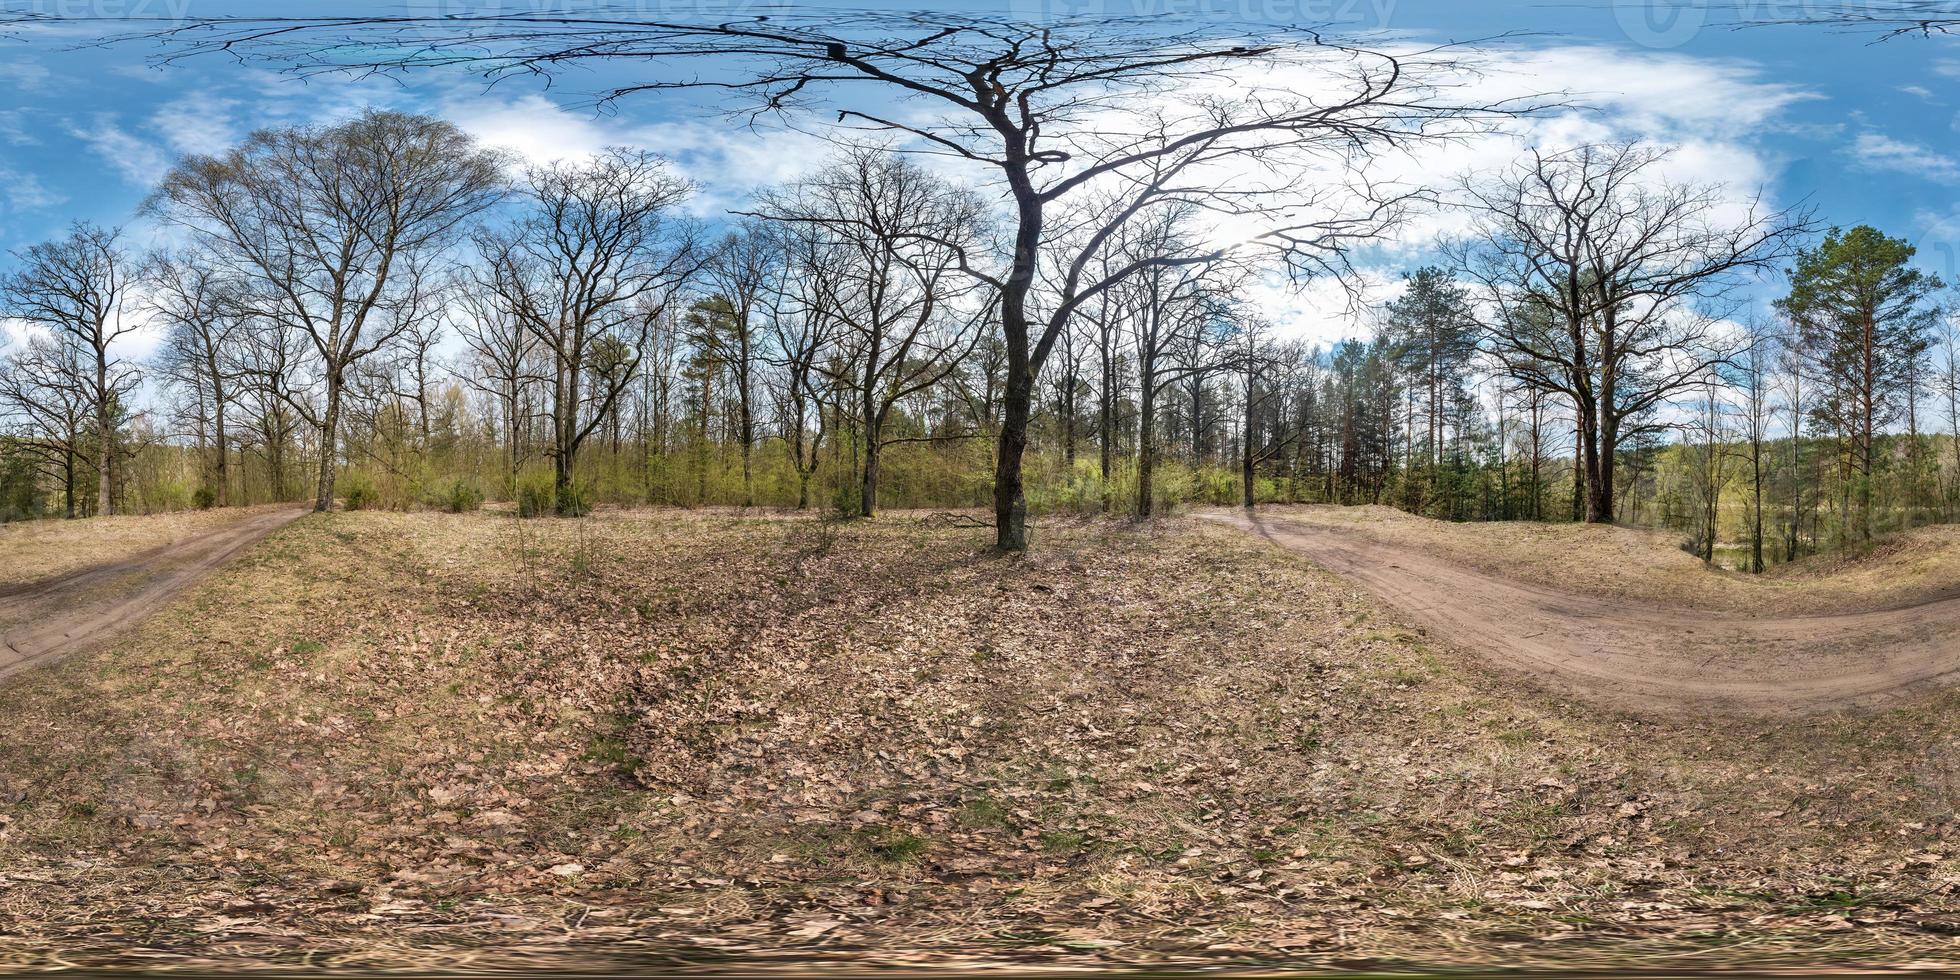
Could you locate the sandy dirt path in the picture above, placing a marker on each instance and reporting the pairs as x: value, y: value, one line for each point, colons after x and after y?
x: 1641, y: 656
x: 41, y: 622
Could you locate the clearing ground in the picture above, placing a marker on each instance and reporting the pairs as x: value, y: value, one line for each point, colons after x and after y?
x: 1612, y: 562
x: 1637, y: 653
x: 422, y: 740
x: 37, y: 551
x: 46, y: 619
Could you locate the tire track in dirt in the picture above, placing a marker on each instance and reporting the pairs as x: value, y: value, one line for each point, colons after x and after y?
x: 1643, y: 656
x: 41, y: 622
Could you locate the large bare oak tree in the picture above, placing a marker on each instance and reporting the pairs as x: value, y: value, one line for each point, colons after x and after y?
x: 322, y: 228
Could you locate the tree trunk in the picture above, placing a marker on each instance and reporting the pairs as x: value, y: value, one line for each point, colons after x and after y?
x: 323, y: 497
x: 1578, y: 462
x: 1247, y: 465
x: 1017, y: 401
x: 68, y: 478
x: 1010, y: 500
x: 1106, y: 420
x: 1599, y: 483
x: 1146, y: 440
x: 748, y: 427
x: 1068, y: 426
x: 868, y: 488
x: 1756, y: 543
x: 748, y: 481
x: 105, y: 454
x: 224, y: 452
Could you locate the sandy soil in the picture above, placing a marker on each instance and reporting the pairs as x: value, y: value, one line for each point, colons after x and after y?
x: 1640, y: 654
x: 35, y: 551
x: 42, y: 621
x: 1647, y: 564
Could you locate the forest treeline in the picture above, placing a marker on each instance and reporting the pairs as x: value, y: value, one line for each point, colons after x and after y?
x: 384, y: 313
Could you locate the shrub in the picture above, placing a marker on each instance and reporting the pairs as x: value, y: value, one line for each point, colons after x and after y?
x: 576, y: 501
x: 461, y: 496
x: 161, y: 497
x: 204, y: 498
x: 357, y: 491
x: 534, y: 495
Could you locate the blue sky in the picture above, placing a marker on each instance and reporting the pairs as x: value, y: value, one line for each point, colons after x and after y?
x: 1864, y: 132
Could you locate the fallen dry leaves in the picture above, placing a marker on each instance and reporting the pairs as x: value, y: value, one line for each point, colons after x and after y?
x: 384, y: 740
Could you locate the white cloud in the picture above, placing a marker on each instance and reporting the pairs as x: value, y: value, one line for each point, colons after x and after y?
x: 1917, y: 90
x: 139, y: 161
x: 727, y: 162
x: 531, y: 126
x: 25, y: 192
x: 13, y: 128
x: 1713, y: 113
x: 1323, y: 312
x: 1658, y: 95
x: 198, y: 123
x: 24, y: 76
x: 1876, y: 151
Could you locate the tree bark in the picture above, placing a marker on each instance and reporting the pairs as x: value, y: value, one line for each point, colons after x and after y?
x: 1017, y: 400
x: 868, y: 486
x: 329, y: 425
x: 105, y: 438
x: 1146, y: 449
x: 68, y: 478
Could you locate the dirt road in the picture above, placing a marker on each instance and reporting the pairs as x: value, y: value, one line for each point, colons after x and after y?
x: 40, y: 622
x: 1638, y: 656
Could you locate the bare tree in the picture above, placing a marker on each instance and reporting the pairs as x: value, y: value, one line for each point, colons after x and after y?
x: 76, y: 288
x: 802, y: 342
x: 596, y: 260
x: 44, y: 385
x: 1176, y: 311
x: 501, y: 352
x: 1707, y: 471
x: 270, y: 354
x: 325, y: 226
x: 1265, y: 372
x: 1610, y: 285
x: 742, y: 272
x: 189, y: 297
x: 885, y: 276
x: 1053, y: 111
x: 1752, y: 377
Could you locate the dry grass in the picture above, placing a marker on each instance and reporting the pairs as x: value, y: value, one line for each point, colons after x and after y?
x: 388, y: 739
x: 35, y: 550
x: 1648, y: 565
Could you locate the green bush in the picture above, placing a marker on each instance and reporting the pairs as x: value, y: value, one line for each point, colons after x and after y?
x: 461, y: 496
x: 357, y: 491
x: 534, y: 494
x: 576, y: 501
x: 204, y: 498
